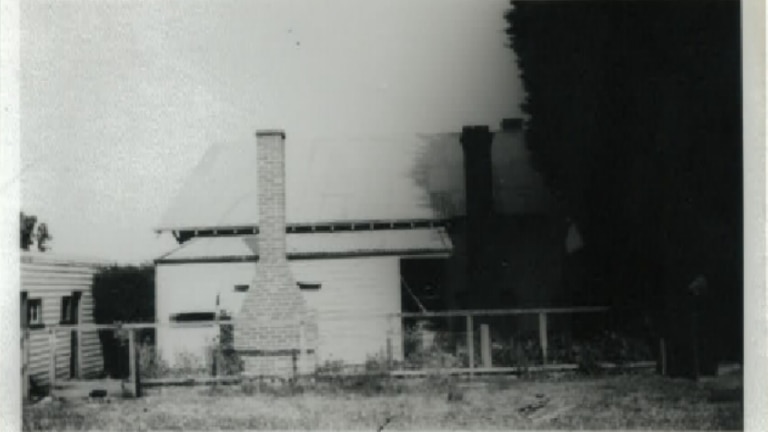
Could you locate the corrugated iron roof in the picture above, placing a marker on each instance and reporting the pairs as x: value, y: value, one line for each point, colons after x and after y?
x: 316, y: 245
x: 398, y: 178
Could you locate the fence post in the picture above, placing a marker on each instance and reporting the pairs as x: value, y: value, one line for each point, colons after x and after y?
x: 25, y: 363
x: 470, y: 344
x: 302, y: 348
x: 132, y: 375
x: 543, y: 336
x: 52, y: 359
x: 485, y: 345
x: 663, y: 354
x: 389, y: 351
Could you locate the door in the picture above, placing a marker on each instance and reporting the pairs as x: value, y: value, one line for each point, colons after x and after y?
x: 74, y: 345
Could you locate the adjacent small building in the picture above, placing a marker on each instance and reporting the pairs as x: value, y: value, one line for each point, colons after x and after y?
x: 56, y: 290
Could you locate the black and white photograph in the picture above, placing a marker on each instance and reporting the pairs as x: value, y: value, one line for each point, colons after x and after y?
x: 383, y: 215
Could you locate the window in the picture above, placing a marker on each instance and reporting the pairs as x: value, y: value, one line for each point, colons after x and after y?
x: 67, y: 313
x: 241, y: 288
x: 193, y: 316
x: 309, y: 286
x: 35, y: 312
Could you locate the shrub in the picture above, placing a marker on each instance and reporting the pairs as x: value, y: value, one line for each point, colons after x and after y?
x: 151, y: 363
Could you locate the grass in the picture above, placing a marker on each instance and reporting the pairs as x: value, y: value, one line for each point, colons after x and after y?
x: 640, y: 401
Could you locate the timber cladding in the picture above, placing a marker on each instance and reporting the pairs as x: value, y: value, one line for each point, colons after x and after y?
x: 56, y: 290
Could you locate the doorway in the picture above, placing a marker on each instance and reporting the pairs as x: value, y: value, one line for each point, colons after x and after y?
x: 70, y: 315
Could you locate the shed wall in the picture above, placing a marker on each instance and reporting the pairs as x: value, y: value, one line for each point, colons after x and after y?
x: 49, y: 279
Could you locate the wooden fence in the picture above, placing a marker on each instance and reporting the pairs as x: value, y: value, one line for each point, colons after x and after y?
x: 134, y: 383
x: 470, y: 331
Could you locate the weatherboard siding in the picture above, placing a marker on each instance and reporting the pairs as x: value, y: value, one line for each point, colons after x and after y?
x: 193, y: 287
x: 49, y: 278
x: 351, y: 304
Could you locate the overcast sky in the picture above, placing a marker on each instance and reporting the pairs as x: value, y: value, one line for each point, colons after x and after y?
x: 119, y: 100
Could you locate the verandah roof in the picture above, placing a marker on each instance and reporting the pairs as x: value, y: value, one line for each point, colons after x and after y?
x: 421, y: 241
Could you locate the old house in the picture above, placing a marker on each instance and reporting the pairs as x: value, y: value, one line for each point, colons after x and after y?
x: 56, y: 290
x: 345, y: 234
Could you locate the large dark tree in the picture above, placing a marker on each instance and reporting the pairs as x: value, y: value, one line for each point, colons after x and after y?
x: 634, y: 118
x: 122, y: 294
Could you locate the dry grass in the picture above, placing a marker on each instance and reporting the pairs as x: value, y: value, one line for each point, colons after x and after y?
x: 616, y: 402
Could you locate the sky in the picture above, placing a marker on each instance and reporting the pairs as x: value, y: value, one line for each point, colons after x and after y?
x: 119, y: 100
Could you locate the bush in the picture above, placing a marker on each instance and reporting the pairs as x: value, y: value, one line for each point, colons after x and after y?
x: 151, y: 363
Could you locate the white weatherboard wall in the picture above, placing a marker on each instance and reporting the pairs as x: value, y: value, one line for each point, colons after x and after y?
x: 351, y: 304
x: 193, y: 287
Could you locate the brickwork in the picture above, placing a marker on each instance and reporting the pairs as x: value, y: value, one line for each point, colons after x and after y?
x: 274, y: 321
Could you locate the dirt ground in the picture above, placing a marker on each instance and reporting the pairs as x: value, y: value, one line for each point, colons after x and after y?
x: 638, y: 401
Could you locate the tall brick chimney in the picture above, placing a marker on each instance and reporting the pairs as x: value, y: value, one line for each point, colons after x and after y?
x: 275, y: 333
x: 478, y: 178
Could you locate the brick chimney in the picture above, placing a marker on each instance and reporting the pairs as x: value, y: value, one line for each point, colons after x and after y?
x: 275, y: 333
x: 478, y: 178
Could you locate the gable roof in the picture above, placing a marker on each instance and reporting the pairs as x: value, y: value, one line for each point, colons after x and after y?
x: 409, y: 177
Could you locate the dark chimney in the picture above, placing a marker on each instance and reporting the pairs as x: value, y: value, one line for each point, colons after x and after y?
x: 511, y: 124
x: 478, y: 179
x: 478, y: 176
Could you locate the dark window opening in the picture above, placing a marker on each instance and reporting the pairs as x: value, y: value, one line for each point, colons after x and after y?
x: 35, y: 312
x: 69, y: 309
x: 424, y: 285
x: 241, y: 288
x: 193, y: 316
x: 309, y: 285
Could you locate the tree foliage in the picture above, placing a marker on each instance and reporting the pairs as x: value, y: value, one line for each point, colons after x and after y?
x: 122, y: 294
x: 634, y: 118
x: 28, y: 236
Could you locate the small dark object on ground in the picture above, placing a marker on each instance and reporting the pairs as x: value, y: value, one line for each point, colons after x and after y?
x: 541, y: 402
x: 455, y: 395
x: 98, y: 393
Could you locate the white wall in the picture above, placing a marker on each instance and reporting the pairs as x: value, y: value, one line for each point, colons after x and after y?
x: 351, y: 304
x: 185, y: 288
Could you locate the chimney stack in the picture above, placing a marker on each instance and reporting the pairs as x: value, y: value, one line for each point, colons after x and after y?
x: 478, y: 177
x: 275, y: 332
x: 511, y: 124
x: 271, y: 188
